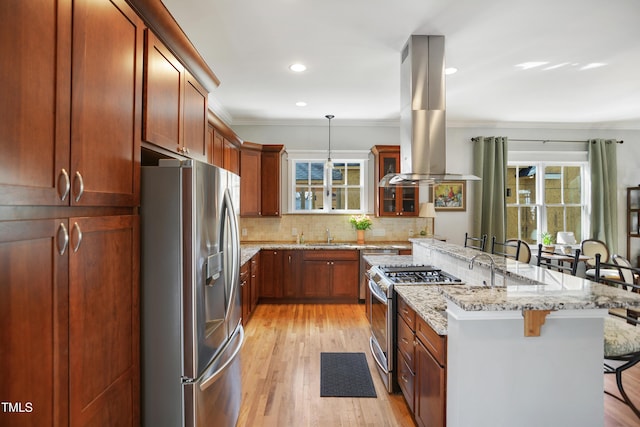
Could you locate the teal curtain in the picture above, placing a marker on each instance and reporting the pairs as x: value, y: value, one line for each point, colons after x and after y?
x: 490, y: 204
x: 604, y: 192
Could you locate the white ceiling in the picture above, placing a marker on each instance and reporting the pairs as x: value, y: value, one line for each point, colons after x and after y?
x: 352, y: 51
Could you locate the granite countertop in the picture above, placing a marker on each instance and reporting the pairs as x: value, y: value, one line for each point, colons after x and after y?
x: 428, y: 303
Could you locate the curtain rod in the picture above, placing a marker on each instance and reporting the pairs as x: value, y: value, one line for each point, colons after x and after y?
x: 544, y: 141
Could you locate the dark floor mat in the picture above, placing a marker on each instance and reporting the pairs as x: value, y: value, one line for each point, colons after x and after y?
x: 345, y: 375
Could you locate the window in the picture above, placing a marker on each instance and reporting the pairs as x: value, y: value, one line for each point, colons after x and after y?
x: 546, y: 196
x: 317, y: 188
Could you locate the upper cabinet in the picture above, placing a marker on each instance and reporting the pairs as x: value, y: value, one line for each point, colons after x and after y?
x: 83, y: 135
x: 175, y: 104
x: 260, y: 172
x: 393, y: 201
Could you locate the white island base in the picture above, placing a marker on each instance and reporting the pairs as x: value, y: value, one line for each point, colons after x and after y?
x: 498, y: 377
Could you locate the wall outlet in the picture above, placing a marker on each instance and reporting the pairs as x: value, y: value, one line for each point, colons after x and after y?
x: 411, y: 232
x: 294, y: 231
x: 244, y: 231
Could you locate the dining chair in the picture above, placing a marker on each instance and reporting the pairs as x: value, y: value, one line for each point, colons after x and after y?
x: 524, y: 252
x: 475, y: 242
x: 621, y: 334
x: 508, y: 248
x: 591, y: 248
x: 546, y: 259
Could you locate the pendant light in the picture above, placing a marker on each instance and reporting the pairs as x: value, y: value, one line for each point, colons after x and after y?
x: 329, y: 164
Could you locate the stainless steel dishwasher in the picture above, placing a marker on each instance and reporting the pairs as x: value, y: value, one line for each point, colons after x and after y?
x: 364, y: 278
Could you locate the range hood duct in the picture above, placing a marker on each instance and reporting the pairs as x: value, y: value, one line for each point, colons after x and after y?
x: 422, y: 115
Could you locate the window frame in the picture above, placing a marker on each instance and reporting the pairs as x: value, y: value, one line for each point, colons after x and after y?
x: 346, y: 157
x: 539, y: 202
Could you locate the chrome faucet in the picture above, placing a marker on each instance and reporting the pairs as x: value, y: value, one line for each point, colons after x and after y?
x: 329, y: 238
x: 493, y: 267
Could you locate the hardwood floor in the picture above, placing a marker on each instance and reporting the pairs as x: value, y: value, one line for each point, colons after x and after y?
x: 281, y: 372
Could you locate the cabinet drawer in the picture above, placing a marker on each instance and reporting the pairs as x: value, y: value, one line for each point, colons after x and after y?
x: 405, y: 343
x: 436, y: 344
x: 406, y: 312
x: 406, y: 379
x: 331, y: 255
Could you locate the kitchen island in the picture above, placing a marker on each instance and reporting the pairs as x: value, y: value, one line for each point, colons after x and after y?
x: 528, y: 352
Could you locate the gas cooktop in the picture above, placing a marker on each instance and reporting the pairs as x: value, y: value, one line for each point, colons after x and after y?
x: 416, y: 274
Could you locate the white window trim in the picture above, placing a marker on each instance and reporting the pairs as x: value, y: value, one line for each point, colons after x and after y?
x: 337, y: 156
x: 539, y: 202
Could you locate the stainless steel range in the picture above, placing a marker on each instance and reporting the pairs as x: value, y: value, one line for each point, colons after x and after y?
x: 382, y: 308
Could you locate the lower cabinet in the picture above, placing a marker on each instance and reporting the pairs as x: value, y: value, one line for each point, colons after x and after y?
x: 245, y: 291
x: 421, y: 364
x: 69, y: 306
x: 330, y: 274
x: 254, y: 282
x: 309, y: 275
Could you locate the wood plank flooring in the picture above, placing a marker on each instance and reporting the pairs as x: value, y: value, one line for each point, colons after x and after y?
x: 281, y: 372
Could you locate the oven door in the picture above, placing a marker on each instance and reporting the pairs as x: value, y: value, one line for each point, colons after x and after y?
x: 381, y: 328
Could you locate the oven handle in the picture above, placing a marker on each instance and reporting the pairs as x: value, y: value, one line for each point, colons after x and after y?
x: 375, y: 291
x: 373, y: 353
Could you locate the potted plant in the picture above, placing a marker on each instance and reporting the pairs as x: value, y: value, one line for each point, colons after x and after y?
x: 547, y: 241
x: 361, y: 223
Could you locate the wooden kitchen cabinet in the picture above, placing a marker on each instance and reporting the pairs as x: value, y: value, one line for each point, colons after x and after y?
x: 270, y: 180
x: 175, y: 104
x: 85, y: 148
x: 393, y: 200
x: 260, y: 172
x: 34, y: 313
x: 271, y: 269
x: 330, y: 275
x: 406, y: 342
x: 245, y: 291
x: 250, y: 187
x: 104, y: 320
x: 254, y: 281
x: 431, y: 376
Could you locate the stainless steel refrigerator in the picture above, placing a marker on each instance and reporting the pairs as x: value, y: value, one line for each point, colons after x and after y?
x: 191, y: 326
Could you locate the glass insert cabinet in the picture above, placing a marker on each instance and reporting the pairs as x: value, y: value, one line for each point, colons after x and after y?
x: 393, y: 201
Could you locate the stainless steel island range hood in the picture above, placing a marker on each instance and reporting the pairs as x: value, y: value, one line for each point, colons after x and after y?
x: 422, y: 115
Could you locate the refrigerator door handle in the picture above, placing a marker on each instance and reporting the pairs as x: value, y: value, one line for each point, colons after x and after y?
x: 235, y: 256
x: 227, y: 356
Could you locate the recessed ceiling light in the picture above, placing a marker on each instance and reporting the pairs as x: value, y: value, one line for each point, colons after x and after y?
x: 298, y: 68
x: 301, y: 104
x: 450, y: 70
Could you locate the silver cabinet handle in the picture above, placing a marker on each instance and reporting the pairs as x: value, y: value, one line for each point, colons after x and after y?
x: 81, y: 189
x: 65, y: 238
x: 78, y: 233
x: 67, y: 184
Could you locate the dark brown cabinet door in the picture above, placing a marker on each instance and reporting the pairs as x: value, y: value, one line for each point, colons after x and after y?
x: 245, y: 291
x: 344, y: 283
x: 255, y: 281
x: 217, y: 148
x: 291, y: 268
x: 270, y: 181
x: 34, y: 318
x: 250, y: 187
x: 231, y: 157
x: 271, y: 274
x: 104, y: 321
x: 35, y: 83
x: 163, y: 78
x: 195, y: 119
x: 316, y: 279
x: 430, y: 390
x: 108, y: 42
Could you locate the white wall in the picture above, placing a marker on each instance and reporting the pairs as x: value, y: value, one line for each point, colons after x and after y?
x: 452, y: 225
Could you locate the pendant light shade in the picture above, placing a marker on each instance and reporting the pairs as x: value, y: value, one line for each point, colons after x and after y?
x: 329, y: 164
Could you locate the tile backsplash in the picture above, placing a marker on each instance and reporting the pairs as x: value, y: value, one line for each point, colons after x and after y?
x: 315, y: 227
